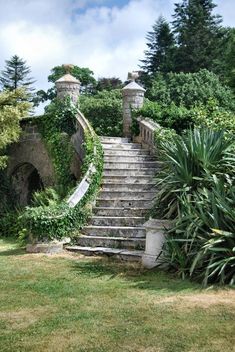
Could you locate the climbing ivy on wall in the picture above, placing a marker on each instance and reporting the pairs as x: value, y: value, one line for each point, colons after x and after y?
x: 57, y: 126
x: 59, y: 220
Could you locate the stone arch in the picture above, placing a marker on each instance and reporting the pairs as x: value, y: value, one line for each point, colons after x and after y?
x: 26, y: 156
x: 25, y: 181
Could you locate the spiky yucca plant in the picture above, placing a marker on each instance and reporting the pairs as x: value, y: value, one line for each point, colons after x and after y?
x: 197, y: 191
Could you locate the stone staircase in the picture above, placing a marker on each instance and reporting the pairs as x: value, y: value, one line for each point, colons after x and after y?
x: 127, y: 193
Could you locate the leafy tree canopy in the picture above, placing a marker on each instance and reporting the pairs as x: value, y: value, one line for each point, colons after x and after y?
x: 16, y: 74
x: 83, y: 74
x: 13, y: 107
x: 190, y: 89
x: 106, y: 83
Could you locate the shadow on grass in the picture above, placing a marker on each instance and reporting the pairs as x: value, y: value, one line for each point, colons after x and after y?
x: 10, y: 252
x: 9, y: 247
x: 138, y: 277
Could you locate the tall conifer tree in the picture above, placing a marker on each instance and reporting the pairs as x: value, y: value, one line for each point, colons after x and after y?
x: 16, y: 74
x: 160, y: 53
x: 198, y: 35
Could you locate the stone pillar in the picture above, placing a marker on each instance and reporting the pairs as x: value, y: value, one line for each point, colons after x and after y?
x: 133, y: 98
x: 68, y: 85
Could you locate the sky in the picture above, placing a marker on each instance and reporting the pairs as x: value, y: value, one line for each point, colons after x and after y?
x: 108, y: 36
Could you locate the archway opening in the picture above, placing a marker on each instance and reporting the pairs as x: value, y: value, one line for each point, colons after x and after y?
x: 26, y: 180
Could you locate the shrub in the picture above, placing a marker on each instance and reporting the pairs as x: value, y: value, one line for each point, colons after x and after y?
x: 54, y: 219
x: 104, y: 111
x: 190, y: 89
x: 197, y: 191
x: 175, y: 117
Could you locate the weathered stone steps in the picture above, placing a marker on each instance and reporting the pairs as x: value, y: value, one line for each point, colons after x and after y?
x: 129, y: 172
x: 126, y: 196
x: 117, y: 220
x: 126, y: 152
x: 113, y: 242
x: 119, y: 159
x: 125, y: 203
x: 115, y: 212
x: 123, y: 146
x: 114, y: 231
x: 110, y: 187
x: 134, y: 195
x: 120, y: 253
x: 127, y: 180
x: 130, y: 165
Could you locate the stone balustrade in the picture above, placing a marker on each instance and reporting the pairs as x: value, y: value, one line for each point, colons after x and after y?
x: 78, y: 140
x: 147, y: 128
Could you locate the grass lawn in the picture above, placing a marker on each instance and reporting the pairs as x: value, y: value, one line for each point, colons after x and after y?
x: 70, y: 303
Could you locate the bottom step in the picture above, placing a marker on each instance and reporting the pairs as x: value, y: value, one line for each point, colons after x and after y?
x: 122, y: 254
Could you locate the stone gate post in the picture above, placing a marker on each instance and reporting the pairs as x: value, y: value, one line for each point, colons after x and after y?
x: 68, y: 85
x: 133, y: 98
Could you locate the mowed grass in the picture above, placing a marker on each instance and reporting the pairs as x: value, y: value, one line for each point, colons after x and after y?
x: 71, y: 303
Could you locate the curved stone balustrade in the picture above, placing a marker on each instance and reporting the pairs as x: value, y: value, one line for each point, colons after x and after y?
x: 78, y: 140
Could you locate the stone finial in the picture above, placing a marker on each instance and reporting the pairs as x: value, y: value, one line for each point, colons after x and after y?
x: 68, y: 67
x: 68, y: 85
x: 133, y: 76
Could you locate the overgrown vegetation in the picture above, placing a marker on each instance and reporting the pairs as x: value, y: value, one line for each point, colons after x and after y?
x: 13, y: 107
x: 197, y: 192
x: 56, y: 219
x: 104, y: 111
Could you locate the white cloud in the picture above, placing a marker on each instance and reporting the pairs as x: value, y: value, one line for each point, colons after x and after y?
x: 109, y: 40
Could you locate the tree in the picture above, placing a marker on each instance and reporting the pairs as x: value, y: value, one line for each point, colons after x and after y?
x: 83, y: 74
x: 108, y: 83
x: 13, y: 107
x: 198, y: 35
x: 16, y: 74
x: 160, y: 54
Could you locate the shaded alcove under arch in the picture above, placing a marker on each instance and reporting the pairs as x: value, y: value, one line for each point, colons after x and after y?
x: 25, y: 181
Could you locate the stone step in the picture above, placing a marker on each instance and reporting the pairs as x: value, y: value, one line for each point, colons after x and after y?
x: 138, y: 195
x: 114, y: 231
x: 127, y: 158
x: 124, y: 146
x: 126, y: 203
x: 128, y: 180
x: 131, y: 164
x: 123, y: 212
x: 113, y: 172
x: 111, y: 242
x: 127, y: 152
x: 114, y: 140
x: 121, y: 253
x: 110, y: 187
x: 117, y: 221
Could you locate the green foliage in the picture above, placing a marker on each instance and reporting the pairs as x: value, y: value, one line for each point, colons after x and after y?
x: 13, y: 108
x: 190, y: 89
x: 83, y: 74
x: 10, y: 224
x: 171, y: 116
x: 214, y: 117
x: 16, y: 74
x: 57, y: 220
x: 197, y: 191
x: 198, y: 35
x: 104, y: 111
x: 57, y: 126
x: 47, y: 197
x: 160, y: 54
x: 106, y: 83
